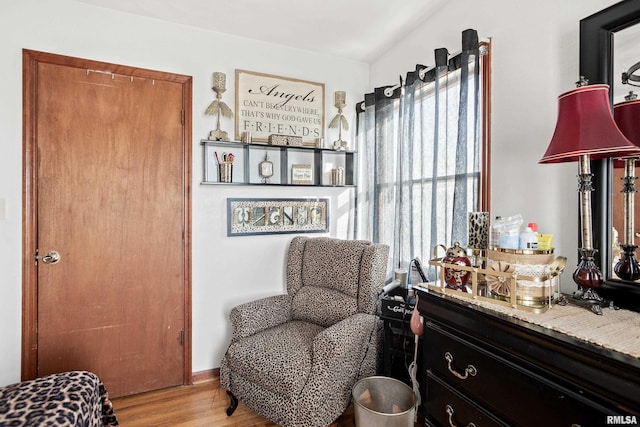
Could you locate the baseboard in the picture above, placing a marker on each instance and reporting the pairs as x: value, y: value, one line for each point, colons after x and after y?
x: 203, y: 376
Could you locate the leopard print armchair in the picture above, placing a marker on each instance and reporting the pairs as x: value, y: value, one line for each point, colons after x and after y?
x: 294, y: 358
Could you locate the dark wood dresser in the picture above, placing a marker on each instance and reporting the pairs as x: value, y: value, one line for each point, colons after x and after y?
x: 483, y: 367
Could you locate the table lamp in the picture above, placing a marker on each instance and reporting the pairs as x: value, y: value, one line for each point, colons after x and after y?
x: 627, y: 117
x: 585, y: 131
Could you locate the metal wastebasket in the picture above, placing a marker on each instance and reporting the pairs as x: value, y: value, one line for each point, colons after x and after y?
x: 383, y: 402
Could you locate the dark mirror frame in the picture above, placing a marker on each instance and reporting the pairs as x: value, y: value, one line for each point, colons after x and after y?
x: 596, y: 64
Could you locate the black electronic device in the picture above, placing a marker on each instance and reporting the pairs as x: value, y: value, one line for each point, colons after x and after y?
x: 392, y: 308
x: 416, y: 262
x: 399, y: 341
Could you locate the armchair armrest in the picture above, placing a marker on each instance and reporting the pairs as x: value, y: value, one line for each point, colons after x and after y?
x: 342, y: 353
x: 255, y: 316
x: 347, y: 338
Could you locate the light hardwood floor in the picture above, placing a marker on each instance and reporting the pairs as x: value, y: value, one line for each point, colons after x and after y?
x: 202, y: 404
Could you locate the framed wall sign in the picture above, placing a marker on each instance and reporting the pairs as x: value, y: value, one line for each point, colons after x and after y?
x: 268, y: 104
x: 302, y: 174
x: 271, y: 216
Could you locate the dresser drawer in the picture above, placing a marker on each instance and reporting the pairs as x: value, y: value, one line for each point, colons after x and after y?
x: 501, y: 387
x: 446, y: 407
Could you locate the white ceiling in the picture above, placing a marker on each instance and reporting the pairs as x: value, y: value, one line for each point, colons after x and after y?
x: 356, y: 29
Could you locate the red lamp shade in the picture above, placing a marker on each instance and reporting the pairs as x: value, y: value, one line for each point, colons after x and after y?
x: 627, y: 117
x: 585, y: 126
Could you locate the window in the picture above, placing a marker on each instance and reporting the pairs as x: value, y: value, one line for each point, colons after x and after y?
x: 424, y: 157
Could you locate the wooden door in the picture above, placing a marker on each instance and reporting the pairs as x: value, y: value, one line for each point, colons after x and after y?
x: 110, y: 190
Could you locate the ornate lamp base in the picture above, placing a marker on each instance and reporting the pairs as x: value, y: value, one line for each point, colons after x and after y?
x: 588, y: 297
x: 627, y: 267
x: 588, y: 278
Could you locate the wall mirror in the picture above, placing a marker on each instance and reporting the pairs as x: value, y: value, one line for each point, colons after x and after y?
x: 605, y: 48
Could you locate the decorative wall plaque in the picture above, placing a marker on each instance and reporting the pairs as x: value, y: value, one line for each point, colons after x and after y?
x: 269, y: 216
x: 268, y: 104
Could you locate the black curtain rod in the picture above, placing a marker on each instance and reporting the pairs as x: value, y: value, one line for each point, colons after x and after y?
x: 470, y: 45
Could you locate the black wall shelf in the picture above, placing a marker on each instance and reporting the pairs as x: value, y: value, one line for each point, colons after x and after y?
x: 247, y: 157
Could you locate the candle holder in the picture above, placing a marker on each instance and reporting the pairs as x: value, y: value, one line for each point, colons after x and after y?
x: 218, y: 108
x: 340, y: 121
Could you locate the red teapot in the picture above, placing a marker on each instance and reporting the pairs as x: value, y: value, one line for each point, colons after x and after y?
x: 456, y: 279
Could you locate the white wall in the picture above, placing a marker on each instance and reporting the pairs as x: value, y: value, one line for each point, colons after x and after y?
x: 535, y: 58
x: 226, y: 271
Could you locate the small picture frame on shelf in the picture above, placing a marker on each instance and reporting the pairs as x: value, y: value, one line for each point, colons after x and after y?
x: 302, y: 174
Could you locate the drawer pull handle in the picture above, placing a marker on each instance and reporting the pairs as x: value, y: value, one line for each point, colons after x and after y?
x: 469, y: 370
x: 451, y: 413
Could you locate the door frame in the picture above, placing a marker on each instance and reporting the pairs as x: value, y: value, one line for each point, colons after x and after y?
x: 30, y: 61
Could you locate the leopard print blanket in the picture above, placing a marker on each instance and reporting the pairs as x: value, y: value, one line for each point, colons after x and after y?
x: 75, y: 398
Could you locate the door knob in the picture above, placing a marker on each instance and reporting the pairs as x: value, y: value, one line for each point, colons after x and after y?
x: 52, y: 257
